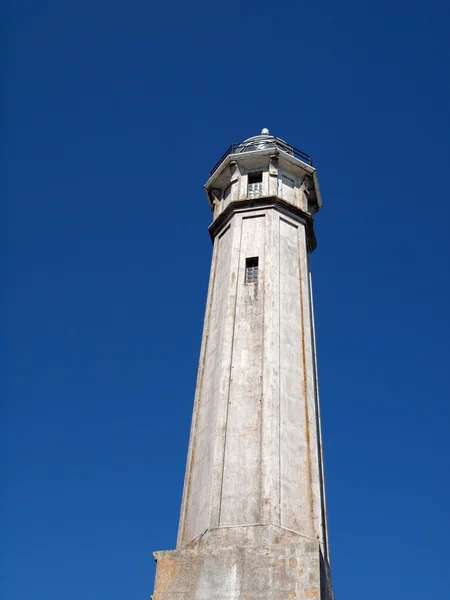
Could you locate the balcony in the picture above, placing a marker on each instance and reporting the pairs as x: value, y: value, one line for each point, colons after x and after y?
x: 261, y: 142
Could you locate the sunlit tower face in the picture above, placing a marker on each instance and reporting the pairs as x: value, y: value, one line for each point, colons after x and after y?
x: 254, y: 485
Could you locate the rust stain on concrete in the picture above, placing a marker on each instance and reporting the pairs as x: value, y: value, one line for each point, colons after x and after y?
x: 305, y: 389
x: 166, y: 573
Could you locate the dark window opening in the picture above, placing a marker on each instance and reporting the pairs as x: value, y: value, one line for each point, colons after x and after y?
x: 254, y: 184
x: 255, y: 177
x: 251, y: 270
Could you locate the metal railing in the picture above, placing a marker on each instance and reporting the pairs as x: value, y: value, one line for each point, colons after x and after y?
x: 270, y: 143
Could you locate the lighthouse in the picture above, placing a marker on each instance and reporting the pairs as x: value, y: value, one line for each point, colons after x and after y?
x: 253, y: 522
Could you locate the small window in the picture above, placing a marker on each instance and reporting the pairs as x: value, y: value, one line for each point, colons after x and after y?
x: 254, y: 184
x: 251, y: 270
x: 255, y: 177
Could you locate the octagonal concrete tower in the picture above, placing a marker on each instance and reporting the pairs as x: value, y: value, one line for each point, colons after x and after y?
x: 253, y: 519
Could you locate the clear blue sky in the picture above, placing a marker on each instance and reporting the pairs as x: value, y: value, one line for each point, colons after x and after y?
x: 114, y: 114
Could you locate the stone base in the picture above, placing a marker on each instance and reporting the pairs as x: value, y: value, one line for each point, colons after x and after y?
x: 267, y: 572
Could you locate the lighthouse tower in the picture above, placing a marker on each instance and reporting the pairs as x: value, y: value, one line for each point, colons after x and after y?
x: 253, y: 518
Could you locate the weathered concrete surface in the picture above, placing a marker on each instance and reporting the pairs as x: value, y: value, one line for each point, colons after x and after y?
x: 253, y: 517
x: 255, y: 451
x: 263, y: 572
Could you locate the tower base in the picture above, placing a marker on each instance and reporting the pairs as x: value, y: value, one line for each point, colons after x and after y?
x: 210, y: 571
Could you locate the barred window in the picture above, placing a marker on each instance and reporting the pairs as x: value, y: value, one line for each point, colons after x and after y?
x: 254, y: 184
x: 251, y: 270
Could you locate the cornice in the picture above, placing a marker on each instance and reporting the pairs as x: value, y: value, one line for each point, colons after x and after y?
x: 270, y: 202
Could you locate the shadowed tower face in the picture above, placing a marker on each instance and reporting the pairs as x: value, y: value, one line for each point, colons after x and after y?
x: 253, y: 518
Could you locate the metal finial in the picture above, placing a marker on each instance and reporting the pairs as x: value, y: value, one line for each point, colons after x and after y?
x: 265, y: 131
